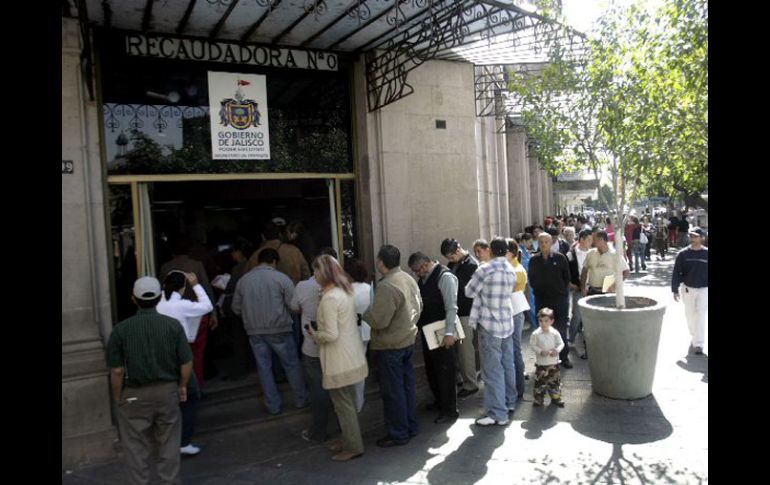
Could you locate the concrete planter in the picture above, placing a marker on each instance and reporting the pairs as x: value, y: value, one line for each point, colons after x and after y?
x: 622, y: 344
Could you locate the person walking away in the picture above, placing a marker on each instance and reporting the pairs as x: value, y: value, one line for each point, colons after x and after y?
x: 341, y: 352
x: 639, y: 241
x: 673, y: 229
x: 649, y: 233
x: 520, y: 308
x: 547, y: 343
x: 684, y: 230
x: 393, y: 317
x: 690, y: 281
x: 438, y: 289
x: 150, y: 365
x: 492, y: 315
x: 262, y: 298
x: 188, y: 314
x: 661, y: 239
x: 463, y: 265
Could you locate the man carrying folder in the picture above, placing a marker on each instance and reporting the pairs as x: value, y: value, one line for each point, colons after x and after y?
x: 598, y: 269
x: 438, y: 288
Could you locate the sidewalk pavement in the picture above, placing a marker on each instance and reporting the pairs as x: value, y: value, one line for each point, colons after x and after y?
x: 660, y: 439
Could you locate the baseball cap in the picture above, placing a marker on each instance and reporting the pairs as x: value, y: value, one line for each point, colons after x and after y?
x: 147, y: 288
x: 697, y: 231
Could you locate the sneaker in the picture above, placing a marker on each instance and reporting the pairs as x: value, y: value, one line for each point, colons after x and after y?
x: 487, y: 421
x: 558, y: 402
x: 190, y: 450
x: 698, y: 350
x: 465, y: 393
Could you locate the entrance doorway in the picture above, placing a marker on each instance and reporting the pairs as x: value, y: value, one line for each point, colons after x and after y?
x: 214, y: 214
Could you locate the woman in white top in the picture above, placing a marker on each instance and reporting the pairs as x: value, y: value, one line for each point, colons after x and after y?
x: 189, y: 314
x: 341, y: 352
x: 362, y: 296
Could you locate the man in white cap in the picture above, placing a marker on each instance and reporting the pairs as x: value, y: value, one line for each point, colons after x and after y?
x: 150, y: 364
x: 691, y: 271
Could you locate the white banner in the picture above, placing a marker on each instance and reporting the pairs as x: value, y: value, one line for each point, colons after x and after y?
x: 238, y: 112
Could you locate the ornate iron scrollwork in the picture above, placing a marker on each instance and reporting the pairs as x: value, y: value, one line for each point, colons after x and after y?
x: 444, y: 26
x: 317, y: 7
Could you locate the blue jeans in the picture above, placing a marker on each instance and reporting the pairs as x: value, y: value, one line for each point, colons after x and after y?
x: 518, y: 359
x: 399, y: 396
x: 497, y: 370
x: 639, y: 253
x: 533, y: 310
x: 285, y: 347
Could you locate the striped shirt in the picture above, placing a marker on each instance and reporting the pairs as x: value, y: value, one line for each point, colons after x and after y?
x: 150, y: 346
x: 491, y: 287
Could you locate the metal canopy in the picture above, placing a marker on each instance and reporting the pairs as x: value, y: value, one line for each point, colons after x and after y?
x: 396, y: 36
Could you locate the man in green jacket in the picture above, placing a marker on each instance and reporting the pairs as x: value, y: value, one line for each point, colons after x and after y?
x: 393, y: 317
x: 150, y: 364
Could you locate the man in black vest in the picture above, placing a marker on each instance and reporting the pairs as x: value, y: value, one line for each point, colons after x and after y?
x: 438, y: 288
x: 463, y: 265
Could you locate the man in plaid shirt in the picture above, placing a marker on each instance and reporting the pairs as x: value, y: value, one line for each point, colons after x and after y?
x: 491, y: 288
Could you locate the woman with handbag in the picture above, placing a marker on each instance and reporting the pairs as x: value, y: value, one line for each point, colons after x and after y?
x: 341, y: 352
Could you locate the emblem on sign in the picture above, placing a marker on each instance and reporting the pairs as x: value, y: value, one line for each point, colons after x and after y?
x: 238, y: 112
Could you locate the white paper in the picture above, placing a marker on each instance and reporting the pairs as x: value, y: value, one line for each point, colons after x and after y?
x: 434, y: 333
x: 609, y: 280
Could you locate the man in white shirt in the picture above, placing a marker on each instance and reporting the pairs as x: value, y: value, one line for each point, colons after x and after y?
x: 576, y: 258
x: 305, y: 300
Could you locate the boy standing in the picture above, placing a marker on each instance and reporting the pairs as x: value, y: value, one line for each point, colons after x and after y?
x: 547, y: 344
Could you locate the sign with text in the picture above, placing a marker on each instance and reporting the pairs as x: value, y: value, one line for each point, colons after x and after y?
x: 160, y: 46
x: 238, y: 112
x: 67, y: 167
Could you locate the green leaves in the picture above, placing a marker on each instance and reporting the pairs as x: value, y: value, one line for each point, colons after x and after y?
x: 639, y: 97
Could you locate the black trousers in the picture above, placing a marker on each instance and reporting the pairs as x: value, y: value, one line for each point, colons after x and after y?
x: 441, y: 369
x: 189, y: 410
x: 561, y: 319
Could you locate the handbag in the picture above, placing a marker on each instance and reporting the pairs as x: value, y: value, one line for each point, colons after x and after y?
x: 643, y: 238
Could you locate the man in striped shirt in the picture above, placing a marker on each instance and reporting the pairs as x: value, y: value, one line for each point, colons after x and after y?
x: 491, y: 287
x: 150, y: 364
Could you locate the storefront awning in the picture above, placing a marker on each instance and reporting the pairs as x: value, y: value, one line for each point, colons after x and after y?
x: 396, y: 36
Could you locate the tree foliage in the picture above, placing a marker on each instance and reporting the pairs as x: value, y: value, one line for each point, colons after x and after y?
x: 633, y: 102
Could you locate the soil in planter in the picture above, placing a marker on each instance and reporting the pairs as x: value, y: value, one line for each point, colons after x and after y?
x: 632, y: 302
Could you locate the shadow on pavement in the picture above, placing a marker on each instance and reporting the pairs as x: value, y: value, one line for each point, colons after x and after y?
x: 619, y: 469
x: 696, y: 363
x: 540, y: 419
x: 468, y: 463
x: 618, y: 423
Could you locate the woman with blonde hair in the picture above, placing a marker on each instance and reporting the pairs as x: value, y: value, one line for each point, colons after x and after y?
x: 341, y: 352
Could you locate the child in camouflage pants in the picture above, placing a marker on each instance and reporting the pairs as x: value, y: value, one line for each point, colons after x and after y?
x: 547, y: 344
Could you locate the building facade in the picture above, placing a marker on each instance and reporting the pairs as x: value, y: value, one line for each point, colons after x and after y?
x: 409, y: 173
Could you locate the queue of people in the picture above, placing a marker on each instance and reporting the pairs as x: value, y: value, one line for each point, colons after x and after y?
x: 326, y: 327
